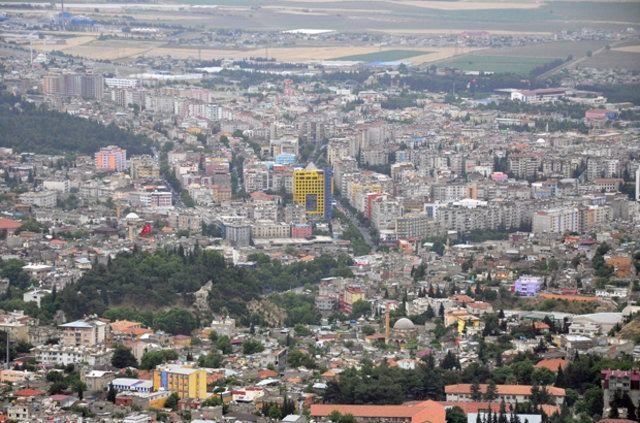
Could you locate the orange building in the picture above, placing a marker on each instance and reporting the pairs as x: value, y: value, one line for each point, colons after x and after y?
x: 111, y: 158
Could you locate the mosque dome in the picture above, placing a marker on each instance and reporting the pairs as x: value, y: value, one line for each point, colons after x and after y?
x: 403, y: 324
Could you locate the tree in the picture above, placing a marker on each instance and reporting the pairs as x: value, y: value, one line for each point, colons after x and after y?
x: 123, y: 357
x: 301, y: 330
x: 450, y: 361
x: 336, y: 417
x: 429, y: 313
x: 502, y: 417
x: 186, y: 199
x: 172, y: 401
x: 57, y: 387
x: 491, y: 324
x: 560, y: 379
x: 151, y: 359
x: 456, y: 415
x: 223, y: 343
x: 476, y: 394
x: 368, y: 330
x: 298, y: 358
x: 252, y: 346
x: 79, y: 387
x: 593, y: 402
x: 111, y: 393
x: 419, y: 272
x: 30, y: 225
x: 164, y: 279
x: 212, y: 360
x: 272, y: 411
x: 360, y: 308
x: 41, y: 131
x: 54, y: 376
x: 176, y: 322
x: 543, y: 376
x: 212, y: 401
x: 492, y: 391
x: 12, y: 269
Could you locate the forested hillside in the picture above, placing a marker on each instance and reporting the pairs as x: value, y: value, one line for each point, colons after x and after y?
x: 161, y: 279
x: 29, y: 129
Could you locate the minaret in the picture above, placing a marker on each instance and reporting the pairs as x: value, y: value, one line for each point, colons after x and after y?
x: 638, y: 184
x: 387, y: 323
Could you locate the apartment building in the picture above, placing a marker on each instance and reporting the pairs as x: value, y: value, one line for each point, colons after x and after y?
x: 557, y: 220
x: 185, y: 381
x: 111, y: 158
x: 45, y: 199
x: 86, y: 333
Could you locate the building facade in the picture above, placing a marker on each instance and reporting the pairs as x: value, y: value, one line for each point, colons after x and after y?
x: 111, y: 158
x: 312, y: 188
x: 186, y: 382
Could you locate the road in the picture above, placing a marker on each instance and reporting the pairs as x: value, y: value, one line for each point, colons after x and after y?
x: 177, y: 200
x: 355, y: 222
x: 575, y: 62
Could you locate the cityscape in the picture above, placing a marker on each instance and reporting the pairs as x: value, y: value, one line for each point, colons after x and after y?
x: 300, y: 211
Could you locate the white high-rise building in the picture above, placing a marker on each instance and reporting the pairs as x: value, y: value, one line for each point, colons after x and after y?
x: 559, y: 220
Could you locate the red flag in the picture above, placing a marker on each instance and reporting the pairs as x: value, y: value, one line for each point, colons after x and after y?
x: 146, y: 230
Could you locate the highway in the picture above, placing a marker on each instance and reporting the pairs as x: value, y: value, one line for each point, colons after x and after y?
x: 364, y: 231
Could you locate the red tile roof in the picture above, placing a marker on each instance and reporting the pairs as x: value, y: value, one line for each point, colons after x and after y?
x: 421, y: 412
x: 480, y: 305
x: 9, y: 224
x: 462, y: 298
x: 266, y: 373
x: 552, y: 364
x: 28, y: 392
x: 465, y: 388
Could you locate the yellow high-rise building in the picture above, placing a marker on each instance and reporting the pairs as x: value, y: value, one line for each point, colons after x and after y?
x: 184, y: 381
x: 312, y: 188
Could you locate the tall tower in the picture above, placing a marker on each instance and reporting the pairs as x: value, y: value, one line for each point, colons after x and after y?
x: 387, y: 323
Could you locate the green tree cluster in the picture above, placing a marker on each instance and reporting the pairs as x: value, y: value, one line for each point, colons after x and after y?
x: 252, y: 346
x: 123, y: 357
x: 25, y: 127
x: 166, y: 278
x: 153, y: 358
x: 212, y: 360
x: 300, y: 308
x: 297, y: 358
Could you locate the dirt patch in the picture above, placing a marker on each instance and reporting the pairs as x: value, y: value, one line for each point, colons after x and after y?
x: 469, y: 5
x: 629, y: 49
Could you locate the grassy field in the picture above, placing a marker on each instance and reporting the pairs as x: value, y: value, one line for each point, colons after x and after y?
x: 521, y: 65
x: 380, y: 15
x: 383, y: 56
x: 551, y: 50
x: 613, y: 59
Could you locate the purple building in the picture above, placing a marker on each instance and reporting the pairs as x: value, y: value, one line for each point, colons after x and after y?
x: 527, y: 286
